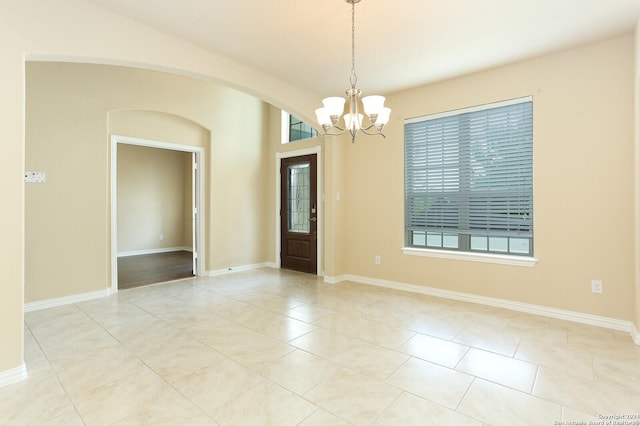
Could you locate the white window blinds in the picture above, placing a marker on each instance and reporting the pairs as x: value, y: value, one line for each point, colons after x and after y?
x: 470, y: 172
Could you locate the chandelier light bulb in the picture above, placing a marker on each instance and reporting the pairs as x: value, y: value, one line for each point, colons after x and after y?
x: 334, y: 105
x: 373, y: 104
x: 353, y: 122
x: 383, y: 118
x: 323, y: 117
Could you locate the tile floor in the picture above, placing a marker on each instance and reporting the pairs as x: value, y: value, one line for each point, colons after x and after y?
x: 283, y: 348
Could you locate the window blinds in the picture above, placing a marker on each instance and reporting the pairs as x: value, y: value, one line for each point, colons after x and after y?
x: 471, y: 171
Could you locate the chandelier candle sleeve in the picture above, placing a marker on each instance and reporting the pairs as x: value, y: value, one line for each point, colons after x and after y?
x: 329, y: 115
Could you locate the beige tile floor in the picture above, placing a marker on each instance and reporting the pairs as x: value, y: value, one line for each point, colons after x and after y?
x: 283, y: 348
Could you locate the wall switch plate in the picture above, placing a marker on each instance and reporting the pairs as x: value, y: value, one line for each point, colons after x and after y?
x: 596, y: 286
x: 377, y: 260
x: 35, y: 177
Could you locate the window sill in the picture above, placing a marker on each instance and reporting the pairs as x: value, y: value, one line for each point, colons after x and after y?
x: 472, y: 257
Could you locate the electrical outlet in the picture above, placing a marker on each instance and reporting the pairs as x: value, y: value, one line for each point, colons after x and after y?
x: 596, y: 286
x: 161, y: 237
x: 377, y: 260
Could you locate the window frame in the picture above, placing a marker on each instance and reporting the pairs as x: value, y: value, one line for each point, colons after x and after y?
x: 285, y: 125
x: 462, y: 248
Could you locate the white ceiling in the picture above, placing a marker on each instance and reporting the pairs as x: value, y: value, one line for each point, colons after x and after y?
x: 399, y: 43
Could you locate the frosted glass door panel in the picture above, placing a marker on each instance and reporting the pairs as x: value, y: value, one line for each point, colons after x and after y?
x: 299, y: 201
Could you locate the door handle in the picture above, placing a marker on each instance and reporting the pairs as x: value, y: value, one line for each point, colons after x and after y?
x: 313, y: 219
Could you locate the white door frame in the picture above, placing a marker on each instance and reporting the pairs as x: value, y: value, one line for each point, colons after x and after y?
x: 198, y: 153
x: 320, y: 194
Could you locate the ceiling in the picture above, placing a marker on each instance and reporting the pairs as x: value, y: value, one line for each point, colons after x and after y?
x: 399, y: 43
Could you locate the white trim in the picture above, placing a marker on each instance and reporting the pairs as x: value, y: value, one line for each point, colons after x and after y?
x: 317, y: 150
x: 473, y: 257
x: 611, y: 323
x: 128, y: 140
x: 284, y: 127
x: 242, y: 268
x: 153, y: 251
x: 199, y: 153
x: 14, y: 375
x: 468, y: 109
x: 335, y: 280
x: 66, y: 300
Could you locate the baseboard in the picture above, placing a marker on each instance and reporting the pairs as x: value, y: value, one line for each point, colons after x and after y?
x: 153, y: 251
x: 14, y: 375
x: 635, y: 334
x: 611, y: 323
x: 242, y: 268
x: 66, y: 300
x: 336, y: 280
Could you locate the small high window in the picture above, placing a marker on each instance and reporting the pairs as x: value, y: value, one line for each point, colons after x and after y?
x: 294, y: 129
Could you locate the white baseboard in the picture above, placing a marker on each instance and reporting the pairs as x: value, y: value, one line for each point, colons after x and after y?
x: 153, y: 251
x: 242, y: 268
x: 635, y: 334
x: 14, y: 375
x: 611, y: 323
x: 66, y: 300
x: 83, y: 297
x: 336, y: 280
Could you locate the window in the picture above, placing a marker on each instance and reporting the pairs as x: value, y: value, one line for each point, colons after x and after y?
x: 469, y: 179
x: 294, y: 129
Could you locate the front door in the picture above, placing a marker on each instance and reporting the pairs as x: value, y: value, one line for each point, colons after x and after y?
x: 298, y: 214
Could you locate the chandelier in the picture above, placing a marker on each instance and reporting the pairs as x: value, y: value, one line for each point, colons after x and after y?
x: 329, y: 116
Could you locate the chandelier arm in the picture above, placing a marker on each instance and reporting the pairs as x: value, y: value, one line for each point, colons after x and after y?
x: 364, y: 130
x: 341, y: 131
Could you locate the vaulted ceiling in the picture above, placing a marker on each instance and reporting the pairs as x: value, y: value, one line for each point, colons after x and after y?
x: 399, y: 43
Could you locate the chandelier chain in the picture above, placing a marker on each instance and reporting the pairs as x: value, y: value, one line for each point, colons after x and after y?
x: 354, y: 77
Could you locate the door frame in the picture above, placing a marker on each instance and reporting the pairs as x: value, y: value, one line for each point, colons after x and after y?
x: 317, y: 150
x: 197, y: 155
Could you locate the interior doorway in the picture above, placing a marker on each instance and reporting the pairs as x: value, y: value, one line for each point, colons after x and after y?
x: 156, y: 231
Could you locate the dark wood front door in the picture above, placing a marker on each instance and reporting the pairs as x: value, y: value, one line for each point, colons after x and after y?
x: 298, y: 214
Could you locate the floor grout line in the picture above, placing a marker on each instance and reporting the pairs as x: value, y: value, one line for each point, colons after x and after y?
x: 362, y: 301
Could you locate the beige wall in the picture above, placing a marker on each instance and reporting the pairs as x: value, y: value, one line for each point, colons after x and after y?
x: 11, y: 207
x: 71, y: 111
x: 337, y: 168
x: 155, y: 125
x: 79, y: 31
x: 637, y: 176
x: 276, y: 146
x: 583, y: 184
x: 153, y: 190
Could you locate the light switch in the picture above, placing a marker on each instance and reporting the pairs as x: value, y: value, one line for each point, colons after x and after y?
x: 35, y: 177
